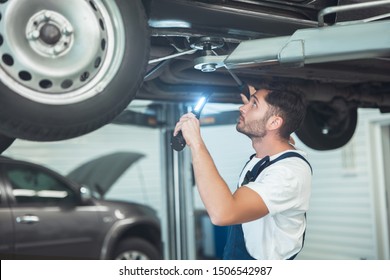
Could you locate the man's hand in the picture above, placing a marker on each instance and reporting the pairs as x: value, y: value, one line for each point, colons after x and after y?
x: 190, y: 127
x: 252, y: 91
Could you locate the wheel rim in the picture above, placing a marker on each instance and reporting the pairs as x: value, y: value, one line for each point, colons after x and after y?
x: 132, y: 255
x: 69, y: 51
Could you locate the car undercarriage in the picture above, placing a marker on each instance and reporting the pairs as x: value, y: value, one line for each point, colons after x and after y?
x: 66, y: 75
x: 334, y: 89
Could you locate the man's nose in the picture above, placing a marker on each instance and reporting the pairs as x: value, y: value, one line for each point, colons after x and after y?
x: 243, y: 107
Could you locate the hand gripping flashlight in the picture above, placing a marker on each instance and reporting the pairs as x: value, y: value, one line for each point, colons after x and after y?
x: 178, y: 143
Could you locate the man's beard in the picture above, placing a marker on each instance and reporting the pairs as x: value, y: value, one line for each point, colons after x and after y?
x: 254, y: 129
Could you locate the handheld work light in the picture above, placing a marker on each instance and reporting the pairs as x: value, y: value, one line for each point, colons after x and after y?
x: 178, y: 143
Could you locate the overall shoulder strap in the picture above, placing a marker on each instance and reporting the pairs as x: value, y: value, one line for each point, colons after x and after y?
x: 265, y: 162
x: 291, y: 154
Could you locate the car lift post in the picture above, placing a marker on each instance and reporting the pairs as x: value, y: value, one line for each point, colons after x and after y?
x: 178, y: 225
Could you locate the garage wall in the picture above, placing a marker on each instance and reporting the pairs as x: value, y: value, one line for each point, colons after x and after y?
x: 341, y: 221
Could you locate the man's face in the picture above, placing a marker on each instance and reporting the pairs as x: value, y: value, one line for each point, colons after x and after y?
x: 254, y: 116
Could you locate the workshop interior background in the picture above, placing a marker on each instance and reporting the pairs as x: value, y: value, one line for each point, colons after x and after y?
x: 348, y: 218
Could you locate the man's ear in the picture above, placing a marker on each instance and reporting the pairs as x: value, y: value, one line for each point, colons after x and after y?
x: 274, y: 122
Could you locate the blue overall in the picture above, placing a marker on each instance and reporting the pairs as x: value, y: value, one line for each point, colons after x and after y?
x: 235, y: 248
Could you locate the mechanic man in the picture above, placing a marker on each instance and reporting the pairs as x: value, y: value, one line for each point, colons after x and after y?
x: 267, y: 215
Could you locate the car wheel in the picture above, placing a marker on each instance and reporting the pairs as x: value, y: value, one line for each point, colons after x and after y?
x: 68, y: 67
x: 136, y: 249
x: 327, y: 127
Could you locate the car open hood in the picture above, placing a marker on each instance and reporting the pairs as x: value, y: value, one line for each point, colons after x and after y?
x: 101, y: 173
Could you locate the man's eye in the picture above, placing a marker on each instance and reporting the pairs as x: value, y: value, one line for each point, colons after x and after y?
x: 254, y: 104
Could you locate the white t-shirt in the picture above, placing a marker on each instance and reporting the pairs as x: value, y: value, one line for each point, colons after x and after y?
x: 285, y: 188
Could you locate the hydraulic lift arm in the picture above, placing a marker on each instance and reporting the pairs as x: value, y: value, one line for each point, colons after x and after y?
x: 307, y: 46
x: 344, y: 41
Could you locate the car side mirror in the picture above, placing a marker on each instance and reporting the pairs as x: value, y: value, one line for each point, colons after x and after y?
x: 85, y: 195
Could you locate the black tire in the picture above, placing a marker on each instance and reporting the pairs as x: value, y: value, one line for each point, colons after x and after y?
x: 324, y: 128
x: 136, y: 248
x: 103, y: 71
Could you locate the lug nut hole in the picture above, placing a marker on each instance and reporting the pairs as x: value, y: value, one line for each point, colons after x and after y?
x: 7, y: 59
x: 103, y: 44
x: 84, y: 76
x: 45, y: 84
x: 66, y: 84
x: 25, y: 76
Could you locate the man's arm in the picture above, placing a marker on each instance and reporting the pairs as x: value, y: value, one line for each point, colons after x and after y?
x: 223, y: 207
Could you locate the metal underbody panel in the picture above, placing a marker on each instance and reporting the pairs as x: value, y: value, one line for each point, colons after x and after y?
x: 308, y: 46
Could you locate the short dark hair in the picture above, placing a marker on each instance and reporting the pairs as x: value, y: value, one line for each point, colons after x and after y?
x: 289, y: 105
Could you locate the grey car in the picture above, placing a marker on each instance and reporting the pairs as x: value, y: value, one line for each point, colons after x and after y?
x: 44, y: 215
